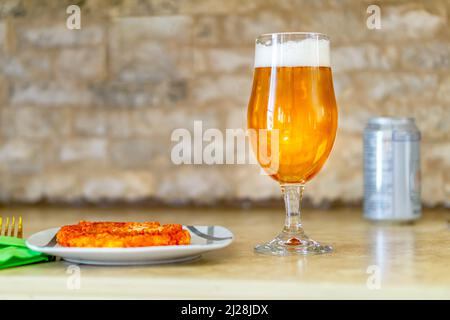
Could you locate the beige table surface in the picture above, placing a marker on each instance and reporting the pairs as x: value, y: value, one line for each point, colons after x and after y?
x: 412, y: 261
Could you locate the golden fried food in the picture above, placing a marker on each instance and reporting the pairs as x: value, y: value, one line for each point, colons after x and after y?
x: 122, y: 234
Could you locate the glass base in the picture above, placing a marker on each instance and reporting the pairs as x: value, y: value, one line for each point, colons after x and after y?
x: 292, y: 243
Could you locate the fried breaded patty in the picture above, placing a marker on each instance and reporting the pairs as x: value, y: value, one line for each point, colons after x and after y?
x: 122, y: 234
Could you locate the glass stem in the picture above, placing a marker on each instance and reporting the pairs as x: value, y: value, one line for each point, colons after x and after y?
x: 293, y: 194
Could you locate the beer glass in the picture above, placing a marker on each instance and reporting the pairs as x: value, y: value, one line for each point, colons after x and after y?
x: 292, y: 96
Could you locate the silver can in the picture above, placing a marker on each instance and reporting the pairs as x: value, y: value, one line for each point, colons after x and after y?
x: 392, y: 170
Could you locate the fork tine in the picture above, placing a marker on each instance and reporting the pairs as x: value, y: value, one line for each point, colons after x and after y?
x: 5, y: 232
x: 13, y: 226
x: 20, y: 228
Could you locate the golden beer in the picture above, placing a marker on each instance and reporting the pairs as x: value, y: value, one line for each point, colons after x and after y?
x: 303, y: 111
x: 292, y: 118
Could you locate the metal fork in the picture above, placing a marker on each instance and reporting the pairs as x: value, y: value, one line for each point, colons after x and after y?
x: 207, y: 236
x: 10, y: 227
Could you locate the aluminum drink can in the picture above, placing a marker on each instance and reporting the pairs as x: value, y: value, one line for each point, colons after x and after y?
x: 392, y: 170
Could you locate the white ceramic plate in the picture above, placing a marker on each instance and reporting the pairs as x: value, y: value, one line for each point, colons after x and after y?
x: 202, y: 241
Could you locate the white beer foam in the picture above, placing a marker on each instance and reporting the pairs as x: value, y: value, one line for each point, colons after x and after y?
x: 304, y: 53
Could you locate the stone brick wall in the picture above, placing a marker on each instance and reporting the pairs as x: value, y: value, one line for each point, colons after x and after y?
x: 87, y: 114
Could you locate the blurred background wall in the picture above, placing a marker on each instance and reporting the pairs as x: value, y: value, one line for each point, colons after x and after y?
x: 86, y: 115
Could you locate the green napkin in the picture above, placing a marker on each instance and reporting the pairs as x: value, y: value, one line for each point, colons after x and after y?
x: 14, y: 252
